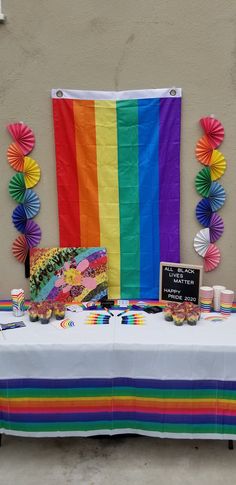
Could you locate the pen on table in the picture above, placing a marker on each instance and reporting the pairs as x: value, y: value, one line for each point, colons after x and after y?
x: 124, y: 311
x: 108, y: 311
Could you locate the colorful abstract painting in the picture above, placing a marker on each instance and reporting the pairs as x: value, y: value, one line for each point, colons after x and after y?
x: 118, y: 180
x: 68, y: 274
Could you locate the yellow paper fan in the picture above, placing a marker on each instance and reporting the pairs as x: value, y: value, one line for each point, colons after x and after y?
x: 217, y: 165
x: 31, y: 172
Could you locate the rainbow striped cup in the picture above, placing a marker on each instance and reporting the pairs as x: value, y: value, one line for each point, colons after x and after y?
x: 206, y: 298
x: 226, y: 301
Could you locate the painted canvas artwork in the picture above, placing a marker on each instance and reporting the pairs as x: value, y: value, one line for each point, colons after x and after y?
x: 68, y: 274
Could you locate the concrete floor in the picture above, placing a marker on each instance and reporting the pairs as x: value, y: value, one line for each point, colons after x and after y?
x: 115, y: 461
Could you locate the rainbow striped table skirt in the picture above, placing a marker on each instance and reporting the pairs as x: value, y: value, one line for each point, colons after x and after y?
x: 86, y: 407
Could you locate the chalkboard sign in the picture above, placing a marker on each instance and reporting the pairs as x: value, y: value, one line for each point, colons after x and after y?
x: 180, y: 282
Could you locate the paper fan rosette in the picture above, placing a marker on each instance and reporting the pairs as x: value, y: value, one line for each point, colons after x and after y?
x: 15, y: 157
x: 213, y: 129
x: 20, y: 248
x: 203, y: 151
x: 32, y: 233
x: 204, y: 212
x: 211, y: 258
x: 203, y: 182
x: 31, y: 203
x: 217, y: 165
x: 202, y: 241
x: 17, y: 187
x: 19, y: 218
x: 216, y: 227
x: 31, y: 172
x: 23, y: 135
x: 216, y: 196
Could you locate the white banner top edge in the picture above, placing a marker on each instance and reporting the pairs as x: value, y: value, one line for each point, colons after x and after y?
x: 60, y: 93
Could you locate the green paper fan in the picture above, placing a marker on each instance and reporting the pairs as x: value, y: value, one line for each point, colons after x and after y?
x: 17, y: 187
x: 203, y: 182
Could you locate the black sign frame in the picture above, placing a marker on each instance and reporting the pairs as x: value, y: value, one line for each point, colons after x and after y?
x: 180, y: 282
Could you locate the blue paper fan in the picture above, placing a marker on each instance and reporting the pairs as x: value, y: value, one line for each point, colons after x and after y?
x: 19, y: 218
x: 216, y: 196
x: 31, y: 203
x: 204, y: 212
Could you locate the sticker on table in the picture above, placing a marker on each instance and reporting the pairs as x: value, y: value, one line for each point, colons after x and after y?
x: 67, y: 323
x: 215, y: 318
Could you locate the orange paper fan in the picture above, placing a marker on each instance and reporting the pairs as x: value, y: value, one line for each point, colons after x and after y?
x: 204, y: 151
x: 23, y: 135
x: 20, y: 248
x: 213, y: 129
x: 217, y: 165
x: 15, y: 157
x: 211, y: 258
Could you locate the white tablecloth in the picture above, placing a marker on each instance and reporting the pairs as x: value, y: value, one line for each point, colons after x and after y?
x: 156, y: 350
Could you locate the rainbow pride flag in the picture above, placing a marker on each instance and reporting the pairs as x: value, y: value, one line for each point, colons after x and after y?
x: 118, y: 180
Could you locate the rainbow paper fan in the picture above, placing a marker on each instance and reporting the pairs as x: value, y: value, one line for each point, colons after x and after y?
x: 31, y: 172
x: 20, y: 248
x: 213, y: 129
x: 31, y: 203
x: 203, y: 182
x: 216, y: 196
x: 217, y: 165
x: 216, y: 227
x: 23, y: 135
x: 204, y: 151
x: 211, y: 258
x: 201, y: 241
x: 15, y: 157
x: 204, y: 212
x: 17, y: 187
x: 32, y: 233
x: 19, y: 218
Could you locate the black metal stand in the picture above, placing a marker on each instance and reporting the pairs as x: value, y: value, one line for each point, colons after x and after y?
x: 230, y: 444
x: 0, y: 440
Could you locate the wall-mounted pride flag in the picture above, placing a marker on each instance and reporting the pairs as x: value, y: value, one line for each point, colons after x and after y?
x: 117, y: 159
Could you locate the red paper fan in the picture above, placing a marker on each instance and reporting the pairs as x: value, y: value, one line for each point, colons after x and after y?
x: 23, y: 135
x: 211, y: 258
x: 20, y: 248
x: 214, y: 130
x: 204, y: 151
x: 15, y: 157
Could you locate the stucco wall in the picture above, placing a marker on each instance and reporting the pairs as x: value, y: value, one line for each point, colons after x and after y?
x: 118, y: 45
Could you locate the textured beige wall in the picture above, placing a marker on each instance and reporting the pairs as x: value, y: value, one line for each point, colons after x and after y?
x: 118, y: 45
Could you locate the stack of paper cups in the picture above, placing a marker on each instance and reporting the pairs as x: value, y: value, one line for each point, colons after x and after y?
x: 206, y: 297
x: 216, y: 297
x: 18, y: 300
x: 226, y: 301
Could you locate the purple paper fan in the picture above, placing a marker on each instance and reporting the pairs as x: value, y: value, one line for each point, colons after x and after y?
x: 32, y: 233
x: 19, y: 218
x: 216, y: 227
x: 204, y: 212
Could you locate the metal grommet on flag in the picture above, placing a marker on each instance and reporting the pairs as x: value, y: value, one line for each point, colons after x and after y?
x: 173, y: 92
x: 59, y: 93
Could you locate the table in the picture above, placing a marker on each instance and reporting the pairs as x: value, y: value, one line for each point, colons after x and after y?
x: 154, y: 380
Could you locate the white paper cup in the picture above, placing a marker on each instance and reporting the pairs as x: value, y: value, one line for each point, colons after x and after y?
x: 217, y: 289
